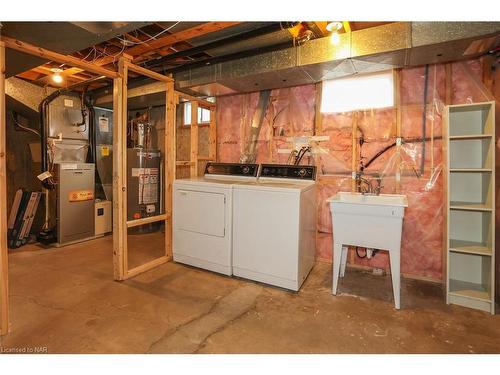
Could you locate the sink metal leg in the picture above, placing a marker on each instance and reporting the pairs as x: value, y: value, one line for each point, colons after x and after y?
x: 343, y: 261
x: 337, y: 255
x: 394, y: 257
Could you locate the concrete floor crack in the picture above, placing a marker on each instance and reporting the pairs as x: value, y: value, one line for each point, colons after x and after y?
x: 223, y: 327
x: 171, y: 332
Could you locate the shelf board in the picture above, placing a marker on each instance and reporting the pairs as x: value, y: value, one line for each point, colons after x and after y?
x: 469, y: 290
x: 470, y: 247
x: 470, y: 136
x: 469, y: 206
x: 481, y: 170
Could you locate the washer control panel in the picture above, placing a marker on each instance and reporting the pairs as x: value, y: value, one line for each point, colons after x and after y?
x: 296, y: 172
x: 232, y: 169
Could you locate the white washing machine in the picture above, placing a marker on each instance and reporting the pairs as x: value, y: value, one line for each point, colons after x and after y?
x: 274, y: 226
x: 202, y: 216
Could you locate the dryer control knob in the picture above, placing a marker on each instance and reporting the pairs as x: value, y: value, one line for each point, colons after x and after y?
x: 302, y: 172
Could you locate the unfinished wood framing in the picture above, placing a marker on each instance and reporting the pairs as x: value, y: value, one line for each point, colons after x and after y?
x: 201, y: 102
x: 54, y: 56
x: 120, y: 222
x: 170, y: 143
x: 444, y: 153
x: 119, y: 173
x: 318, y: 123
x: 194, y: 156
x: 194, y: 140
x: 354, y: 153
x: 448, y: 83
x: 397, y: 109
x: 212, y: 136
x: 4, y: 269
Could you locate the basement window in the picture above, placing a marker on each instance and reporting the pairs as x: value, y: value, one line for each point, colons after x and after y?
x: 203, y: 114
x: 367, y: 91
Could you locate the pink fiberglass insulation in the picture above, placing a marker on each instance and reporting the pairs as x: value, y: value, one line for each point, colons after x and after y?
x: 291, y: 113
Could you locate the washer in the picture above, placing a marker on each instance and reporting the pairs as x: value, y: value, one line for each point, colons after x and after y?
x: 274, y: 226
x: 202, y: 216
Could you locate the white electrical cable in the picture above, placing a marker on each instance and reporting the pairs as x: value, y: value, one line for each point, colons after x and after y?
x: 25, y: 127
x: 129, y: 42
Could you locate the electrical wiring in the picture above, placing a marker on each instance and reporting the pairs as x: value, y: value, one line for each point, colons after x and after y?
x: 88, y: 54
x: 129, y: 42
x: 23, y: 127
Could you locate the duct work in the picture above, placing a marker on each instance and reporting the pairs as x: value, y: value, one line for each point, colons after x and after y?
x: 395, y: 45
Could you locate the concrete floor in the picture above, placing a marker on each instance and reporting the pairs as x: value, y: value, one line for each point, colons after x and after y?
x: 66, y: 301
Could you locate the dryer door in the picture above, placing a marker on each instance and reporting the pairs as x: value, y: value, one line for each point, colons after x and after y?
x: 200, y: 212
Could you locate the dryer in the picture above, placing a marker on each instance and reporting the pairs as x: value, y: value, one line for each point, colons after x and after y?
x: 202, y: 216
x: 274, y: 226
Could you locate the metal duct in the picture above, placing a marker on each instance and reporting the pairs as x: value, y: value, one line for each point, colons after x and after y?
x: 395, y: 45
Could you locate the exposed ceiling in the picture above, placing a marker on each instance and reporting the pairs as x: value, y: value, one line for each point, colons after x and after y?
x: 162, y: 46
x: 217, y: 58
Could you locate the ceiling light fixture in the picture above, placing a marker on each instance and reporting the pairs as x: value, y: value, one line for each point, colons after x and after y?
x: 334, y: 27
x: 57, y: 77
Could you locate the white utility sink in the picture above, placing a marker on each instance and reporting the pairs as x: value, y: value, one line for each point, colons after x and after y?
x: 370, y: 199
x: 369, y: 221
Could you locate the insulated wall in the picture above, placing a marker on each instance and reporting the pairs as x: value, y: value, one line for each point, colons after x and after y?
x: 365, y: 139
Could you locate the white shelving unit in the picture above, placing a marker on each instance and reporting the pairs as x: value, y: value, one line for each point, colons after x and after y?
x: 470, y: 206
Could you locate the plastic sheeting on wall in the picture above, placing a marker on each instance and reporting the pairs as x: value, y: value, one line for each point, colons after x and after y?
x: 292, y: 114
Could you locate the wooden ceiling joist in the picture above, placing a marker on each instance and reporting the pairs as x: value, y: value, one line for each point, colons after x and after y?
x: 55, y: 56
x: 148, y: 73
x: 170, y: 39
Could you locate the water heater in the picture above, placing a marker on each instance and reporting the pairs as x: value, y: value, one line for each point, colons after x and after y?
x: 143, y: 183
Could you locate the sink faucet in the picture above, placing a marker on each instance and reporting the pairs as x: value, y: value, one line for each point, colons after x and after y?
x: 365, y: 186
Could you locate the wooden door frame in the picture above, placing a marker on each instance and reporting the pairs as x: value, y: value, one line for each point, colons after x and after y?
x: 120, y: 222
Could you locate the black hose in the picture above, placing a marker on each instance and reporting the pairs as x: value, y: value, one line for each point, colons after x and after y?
x: 378, y: 154
x: 424, y: 120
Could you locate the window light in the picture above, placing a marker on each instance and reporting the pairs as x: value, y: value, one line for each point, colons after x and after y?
x: 358, y: 92
x: 203, y: 114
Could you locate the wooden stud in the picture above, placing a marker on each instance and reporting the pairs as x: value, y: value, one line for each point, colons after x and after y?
x: 120, y: 173
x: 170, y: 142
x: 146, y: 220
x: 318, y: 123
x: 318, y: 129
x: 4, y: 268
x: 445, y: 158
x: 398, y: 109
x: 448, y: 83
x: 354, y: 163
x: 54, y: 56
x: 190, y: 98
x: 354, y: 153
x: 212, y: 136
x: 148, y: 73
x: 444, y: 153
x: 194, y: 139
